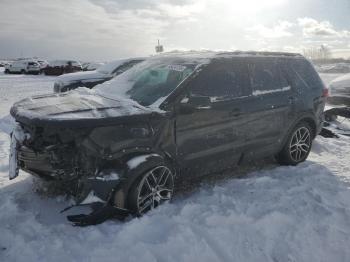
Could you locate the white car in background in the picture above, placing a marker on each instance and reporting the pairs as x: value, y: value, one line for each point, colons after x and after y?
x: 23, y: 67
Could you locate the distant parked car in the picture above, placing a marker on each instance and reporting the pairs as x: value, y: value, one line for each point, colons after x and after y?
x: 90, y: 79
x: 60, y: 67
x: 43, y: 64
x: 6, y: 67
x: 340, y: 91
x: 23, y: 67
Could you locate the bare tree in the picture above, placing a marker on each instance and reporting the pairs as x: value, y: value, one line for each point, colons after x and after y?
x: 322, y: 53
x: 325, y: 53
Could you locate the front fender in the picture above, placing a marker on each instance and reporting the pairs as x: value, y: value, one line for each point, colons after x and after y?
x: 113, y: 183
x: 135, y: 167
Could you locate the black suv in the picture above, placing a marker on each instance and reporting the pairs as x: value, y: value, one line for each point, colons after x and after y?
x: 121, y: 145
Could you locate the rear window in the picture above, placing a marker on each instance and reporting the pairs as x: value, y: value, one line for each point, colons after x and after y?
x: 303, y: 75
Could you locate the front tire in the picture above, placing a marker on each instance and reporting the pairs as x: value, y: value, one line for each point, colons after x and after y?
x: 154, y: 188
x: 297, y: 146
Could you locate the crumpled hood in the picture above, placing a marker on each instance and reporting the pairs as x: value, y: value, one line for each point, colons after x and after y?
x: 81, y: 76
x: 75, y: 109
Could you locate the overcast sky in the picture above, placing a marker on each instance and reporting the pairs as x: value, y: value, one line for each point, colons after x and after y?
x: 109, y: 29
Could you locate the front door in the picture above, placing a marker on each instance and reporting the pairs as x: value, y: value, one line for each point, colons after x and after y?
x: 212, y: 136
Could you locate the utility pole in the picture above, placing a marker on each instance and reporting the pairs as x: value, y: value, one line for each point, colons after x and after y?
x: 159, y: 48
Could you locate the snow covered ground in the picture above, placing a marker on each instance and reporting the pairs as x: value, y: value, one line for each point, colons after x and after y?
x: 272, y: 214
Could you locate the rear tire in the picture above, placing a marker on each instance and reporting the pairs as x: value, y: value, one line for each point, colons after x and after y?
x: 23, y: 71
x: 7, y: 71
x: 297, y: 146
x: 152, y: 189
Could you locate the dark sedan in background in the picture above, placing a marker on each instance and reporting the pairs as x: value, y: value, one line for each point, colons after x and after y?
x: 90, y: 79
x: 60, y: 67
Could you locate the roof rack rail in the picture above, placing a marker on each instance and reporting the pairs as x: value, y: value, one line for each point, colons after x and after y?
x: 261, y: 53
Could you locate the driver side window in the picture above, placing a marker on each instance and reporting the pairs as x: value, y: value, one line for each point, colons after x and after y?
x: 222, y: 79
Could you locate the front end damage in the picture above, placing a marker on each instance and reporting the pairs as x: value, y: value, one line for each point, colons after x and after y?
x: 66, y: 157
x: 99, y: 193
x: 84, y: 141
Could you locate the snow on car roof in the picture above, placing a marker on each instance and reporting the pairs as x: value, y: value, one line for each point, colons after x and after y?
x: 77, y: 76
x: 108, y: 68
x: 210, y: 53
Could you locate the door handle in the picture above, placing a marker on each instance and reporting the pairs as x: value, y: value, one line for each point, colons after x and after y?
x: 235, y: 112
x: 291, y: 99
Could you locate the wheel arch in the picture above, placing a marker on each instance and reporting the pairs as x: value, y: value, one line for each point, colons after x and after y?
x: 283, y: 156
x: 119, y: 196
x: 309, y: 119
x: 312, y: 124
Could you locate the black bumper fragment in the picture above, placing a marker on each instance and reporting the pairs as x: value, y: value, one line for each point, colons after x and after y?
x: 100, y: 214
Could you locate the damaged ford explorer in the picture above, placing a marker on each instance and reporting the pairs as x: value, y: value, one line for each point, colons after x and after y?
x: 120, y: 146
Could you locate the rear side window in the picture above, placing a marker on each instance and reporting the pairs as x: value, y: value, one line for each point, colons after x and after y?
x: 223, y: 79
x: 267, y: 76
x: 303, y: 75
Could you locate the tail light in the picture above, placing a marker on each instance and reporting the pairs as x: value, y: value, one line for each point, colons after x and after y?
x: 325, y: 92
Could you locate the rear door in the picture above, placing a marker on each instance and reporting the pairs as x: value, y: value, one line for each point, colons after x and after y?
x: 212, y: 137
x: 308, y: 89
x: 270, y: 105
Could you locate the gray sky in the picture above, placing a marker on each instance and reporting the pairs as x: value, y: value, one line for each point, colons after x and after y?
x: 110, y: 29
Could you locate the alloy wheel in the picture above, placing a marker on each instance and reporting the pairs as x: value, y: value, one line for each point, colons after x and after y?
x: 300, y: 144
x: 155, y: 187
